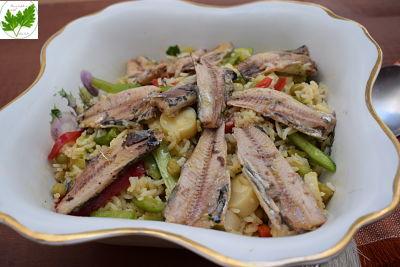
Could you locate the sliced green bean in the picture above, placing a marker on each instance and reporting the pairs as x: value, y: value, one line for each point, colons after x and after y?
x: 150, y: 204
x: 125, y: 214
x: 313, y: 152
x: 59, y: 188
x: 244, y: 52
x: 112, y: 87
x: 238, y: 55
x: 151, y: 167
x: 162, y: 157
x: 79, y: 162
x: 62, y: 159
x: 85, y: 96
x: 165, y: 88
x: 104, y: 137
x: 327, y: 192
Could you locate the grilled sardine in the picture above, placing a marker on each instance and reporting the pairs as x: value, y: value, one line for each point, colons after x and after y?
x: 186, y: 64
x: 281, y: 191
x: 214, y: 85
x: 143, y: 70
x: 285, y: 109
x: 295, y: 62
x: 216, y: 55
x: 173, y: 100
x: 201, y: 196
x: 115, y: 109
x: 128, y: 147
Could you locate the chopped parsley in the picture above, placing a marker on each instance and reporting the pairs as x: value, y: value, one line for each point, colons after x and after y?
x: 173, y: 50
x: 70, y: 99
x: 55, y: 113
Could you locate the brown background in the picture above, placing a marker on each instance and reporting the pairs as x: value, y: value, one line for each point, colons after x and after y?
x: 19, y: 65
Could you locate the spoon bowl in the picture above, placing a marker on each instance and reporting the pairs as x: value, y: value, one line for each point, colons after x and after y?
x: 386, y: 97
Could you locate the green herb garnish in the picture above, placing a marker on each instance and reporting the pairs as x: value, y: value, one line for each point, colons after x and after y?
x: 173, y: 50
x: 55, y: 113
x: 70, y: 99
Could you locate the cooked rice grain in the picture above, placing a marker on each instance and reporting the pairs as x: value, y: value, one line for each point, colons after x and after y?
x: 145, y: 186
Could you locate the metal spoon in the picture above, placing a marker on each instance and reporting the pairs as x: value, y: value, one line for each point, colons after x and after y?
x: 386, y: 97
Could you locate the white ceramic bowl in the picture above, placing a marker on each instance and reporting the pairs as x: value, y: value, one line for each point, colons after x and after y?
x: 365, y: 151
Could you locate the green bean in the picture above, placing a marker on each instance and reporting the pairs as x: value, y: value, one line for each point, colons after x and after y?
x: 59, y: 188
x: 62, y: 159
x: 85, y: 96
x: 231, y: 59
x: 328, y: 193
x: 125, y: 214
x: 112, y: 87
x: 79, y: 162
x: 313, y: 152
x: 151, y: 167
x: 238, y: 55
x: 164, y: 88
x: 150, y: 204
x: 104, y: 137
x: 244, y: 53
x: 162, y: 157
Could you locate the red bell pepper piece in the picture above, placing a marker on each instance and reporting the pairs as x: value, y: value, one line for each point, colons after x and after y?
x: 264, y: 83
x: 229, y: 126
x: 280, y: 84
x: 63, y: 139
x: 115, y: 188
x: 264, y: 231
x: 154, y: 82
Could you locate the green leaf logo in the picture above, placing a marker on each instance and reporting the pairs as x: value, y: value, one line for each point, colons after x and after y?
x: 15, y: 22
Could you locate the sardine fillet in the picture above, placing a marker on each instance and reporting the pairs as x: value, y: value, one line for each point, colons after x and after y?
x: 211, y: 82
x: 101, y: 171
x: 143, y: 70
x: 202, y: 193
x: 281, y: 191
x: 186, y: 64
x: 285, y: 109
x: 295, y: 62
x: 216, y: 55
x: 127, y: 105
x: 173, y: 100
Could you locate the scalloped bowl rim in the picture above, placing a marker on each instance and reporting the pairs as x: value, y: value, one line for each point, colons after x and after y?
x: 186, y: 242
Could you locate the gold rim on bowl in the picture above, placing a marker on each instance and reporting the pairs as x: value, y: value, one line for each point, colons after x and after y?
x: 194, y: 246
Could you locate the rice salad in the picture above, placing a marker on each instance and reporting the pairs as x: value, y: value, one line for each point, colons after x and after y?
x: 95, y: 134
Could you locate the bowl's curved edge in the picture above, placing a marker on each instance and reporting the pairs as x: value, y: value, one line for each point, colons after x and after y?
x: 194, y: 246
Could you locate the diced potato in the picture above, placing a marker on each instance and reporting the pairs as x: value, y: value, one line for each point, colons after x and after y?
x: 311, y: 180
x: 182, y: 126
x: 232, y: 222
x: 243, y: 197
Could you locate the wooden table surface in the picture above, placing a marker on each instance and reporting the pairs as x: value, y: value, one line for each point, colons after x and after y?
x: 20, y: 65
